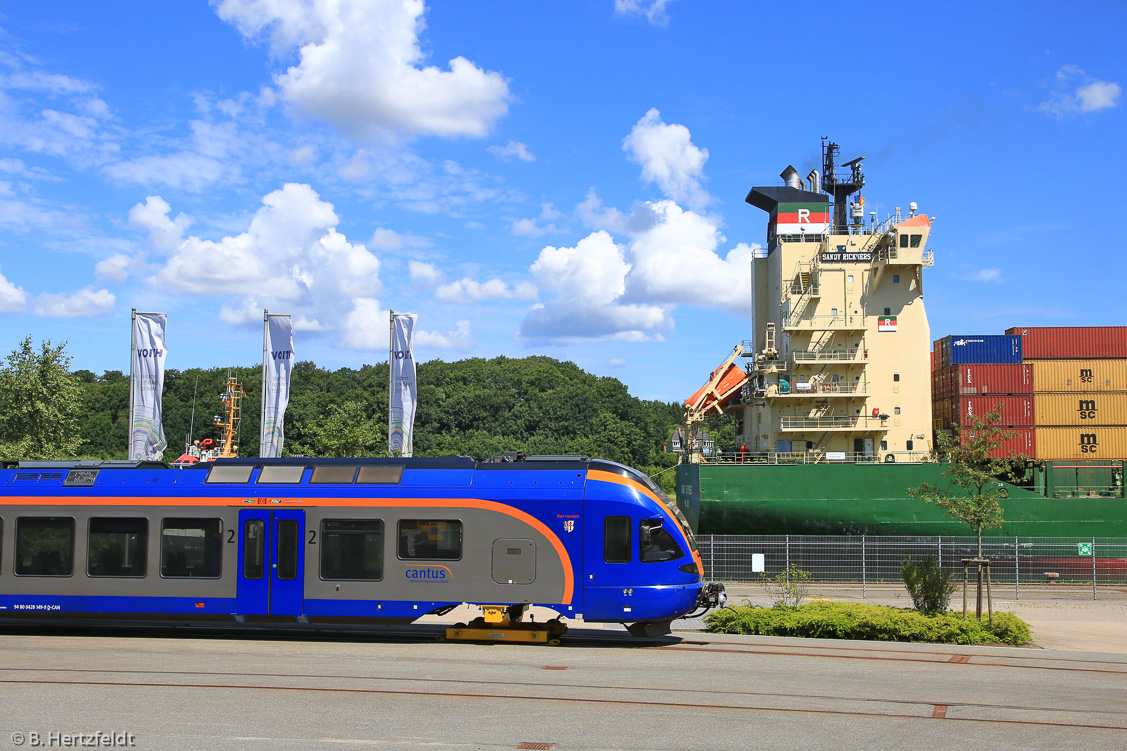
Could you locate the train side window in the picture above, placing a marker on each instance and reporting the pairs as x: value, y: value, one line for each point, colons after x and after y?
x: 45, y: 546
x: 352, y: 549
x: 118, y: 547
x: 334, y: 474
x: 616, y: 539
x: 221, y: 473
x: 288, y: 540
x: 381, y: 475
x: 655, y: 544
x: 254, y: 549
x: 191, y: 548
x: 430, y: 539
x: 284, y: 475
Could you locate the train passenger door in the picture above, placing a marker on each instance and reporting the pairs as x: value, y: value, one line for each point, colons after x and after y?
x: 609, y: 546
x: 271, y: 562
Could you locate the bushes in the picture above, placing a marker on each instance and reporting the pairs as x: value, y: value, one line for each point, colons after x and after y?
x: 844, y: 620
x: 929, y: 585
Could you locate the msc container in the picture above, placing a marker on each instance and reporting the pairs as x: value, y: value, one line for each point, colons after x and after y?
x: 979, y: 380
x: 1079, y: 375
x: 1080, y: 409
x: 975, y: 349
x: 1022, y: 442
x: 1072, y: 342
x: 1081, y: 443
x: 1014, y: 411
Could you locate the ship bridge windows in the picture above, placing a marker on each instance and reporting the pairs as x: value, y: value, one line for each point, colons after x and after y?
x: 912, y: 240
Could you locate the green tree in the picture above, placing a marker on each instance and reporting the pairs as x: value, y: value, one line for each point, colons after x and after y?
x: 974, y: 489
x: 40, y: 401
x: 345, y: 430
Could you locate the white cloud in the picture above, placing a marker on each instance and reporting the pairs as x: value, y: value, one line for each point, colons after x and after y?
x: 366, y: 326
x: 668, y: 157
x: 616, y: 362
x: 86, y: 303
x: 467, y: 290
x: 589, y: 281
x: 530, y: 228
x: 12, y: 298
x: 1075, y: 92
x: 290, y: 257
x: 675, y: 261
x: 165, y: 233
x: 653, y: 10
x: 985, y: 275
x: 115, y: 269
x: 424, y: 274
x: 361, y: 68
x: 206, y: 159
x: 512, y: 149
x: 457, y: 339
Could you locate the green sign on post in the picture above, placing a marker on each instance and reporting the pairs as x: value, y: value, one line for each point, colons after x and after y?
x: 1083, y: 548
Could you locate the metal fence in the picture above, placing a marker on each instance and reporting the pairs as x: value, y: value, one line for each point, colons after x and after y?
x: 1034, y: 567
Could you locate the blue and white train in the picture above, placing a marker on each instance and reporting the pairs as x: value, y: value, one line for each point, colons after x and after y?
x: 353, y: 541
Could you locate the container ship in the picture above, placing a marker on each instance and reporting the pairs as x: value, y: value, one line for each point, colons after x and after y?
x: 838, y: 395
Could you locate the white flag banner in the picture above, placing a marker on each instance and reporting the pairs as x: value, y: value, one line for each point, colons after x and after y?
x: 401, y: 412
x: 146, y: 384
x: 277, y: 366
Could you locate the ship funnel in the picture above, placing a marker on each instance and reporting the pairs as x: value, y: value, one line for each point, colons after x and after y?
x: 791, y: 178
x: 815, y: 181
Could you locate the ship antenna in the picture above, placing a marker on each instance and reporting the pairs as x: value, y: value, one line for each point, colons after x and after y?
x: 192, y: 423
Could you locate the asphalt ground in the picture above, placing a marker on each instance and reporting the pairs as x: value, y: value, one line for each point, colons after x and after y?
x: 399, y: 687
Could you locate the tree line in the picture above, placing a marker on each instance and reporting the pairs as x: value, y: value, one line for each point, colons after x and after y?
x: 475, y: 407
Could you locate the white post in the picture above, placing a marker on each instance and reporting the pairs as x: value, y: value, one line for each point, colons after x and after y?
x: 132, y: 359
x: 262, y: 398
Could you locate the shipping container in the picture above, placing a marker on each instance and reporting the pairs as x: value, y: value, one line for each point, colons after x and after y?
x: 1076, y: 376
x: 1022, y: 442
x: 980, y: 349
x: 979, y: 380
x: 1106, y: 409
x: 1072, y: 342
x: 1081, y: 443
x: 1014, y: 411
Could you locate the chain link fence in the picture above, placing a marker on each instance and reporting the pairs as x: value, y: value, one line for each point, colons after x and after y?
x: 1026, y: 567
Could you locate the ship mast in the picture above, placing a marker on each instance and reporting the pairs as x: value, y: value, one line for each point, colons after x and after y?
x: 229, y: 421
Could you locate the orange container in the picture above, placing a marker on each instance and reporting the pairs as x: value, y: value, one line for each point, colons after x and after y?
x: 1081, y: 443
x: 1079, y: 376
x: 1080, y: 410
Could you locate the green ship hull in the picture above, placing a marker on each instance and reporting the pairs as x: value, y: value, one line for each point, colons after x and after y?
x: 872, y: 499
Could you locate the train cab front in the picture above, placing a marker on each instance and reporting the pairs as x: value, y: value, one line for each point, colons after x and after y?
x: 643, y: 568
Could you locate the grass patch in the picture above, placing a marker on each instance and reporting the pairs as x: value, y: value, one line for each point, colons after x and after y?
x: 850, y: 620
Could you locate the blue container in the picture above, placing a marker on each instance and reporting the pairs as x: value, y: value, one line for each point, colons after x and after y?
x: 782, y: 447
x: 977, y: 349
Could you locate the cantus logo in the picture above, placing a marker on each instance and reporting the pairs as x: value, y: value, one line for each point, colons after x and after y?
x: 436, y: 574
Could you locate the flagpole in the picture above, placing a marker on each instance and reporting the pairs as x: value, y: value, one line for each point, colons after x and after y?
x: 390, y: 369
x: 262, y: 392
x: 132, y: 359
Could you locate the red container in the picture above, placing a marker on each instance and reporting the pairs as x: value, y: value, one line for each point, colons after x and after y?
x: 1022, y: 442
x: 1072, y: 342
x: 980, y: 380
x: 1016, y: 411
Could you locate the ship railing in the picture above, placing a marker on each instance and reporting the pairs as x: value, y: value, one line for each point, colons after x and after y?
x: 825, y: 322
x: 811, y: 457
x: 830, y: 355
x: 805, y: 388
x: 860, y: 422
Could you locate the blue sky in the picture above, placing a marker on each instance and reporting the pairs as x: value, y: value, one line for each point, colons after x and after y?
x: 563, y: 179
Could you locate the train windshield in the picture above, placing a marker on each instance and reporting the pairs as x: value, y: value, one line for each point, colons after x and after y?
x: 672, y: 506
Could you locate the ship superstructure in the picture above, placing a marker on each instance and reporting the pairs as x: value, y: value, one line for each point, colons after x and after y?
x: 838, y: 366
